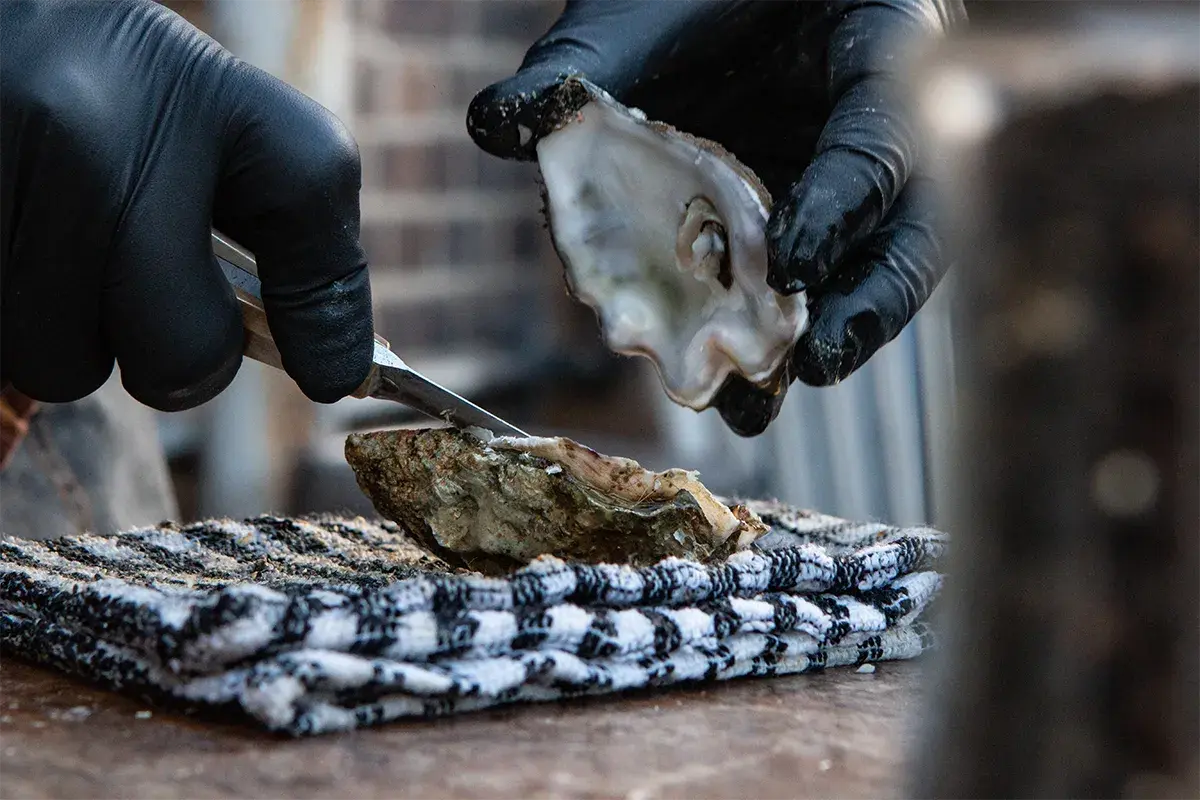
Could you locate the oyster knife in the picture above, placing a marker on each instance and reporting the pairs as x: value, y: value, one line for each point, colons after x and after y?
x: 390, y: 378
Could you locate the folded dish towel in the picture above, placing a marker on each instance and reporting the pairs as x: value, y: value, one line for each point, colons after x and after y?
x: 321, y: 624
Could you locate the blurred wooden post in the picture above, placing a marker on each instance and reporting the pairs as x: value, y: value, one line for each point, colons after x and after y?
x: 1071, y: 151
x: 259, y: 425
x: 317, y: 63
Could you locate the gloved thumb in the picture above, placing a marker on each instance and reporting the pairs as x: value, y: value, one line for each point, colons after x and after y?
x: 612, y: 43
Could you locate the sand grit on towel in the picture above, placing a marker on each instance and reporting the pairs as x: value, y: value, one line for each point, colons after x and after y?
x: 320, y: 624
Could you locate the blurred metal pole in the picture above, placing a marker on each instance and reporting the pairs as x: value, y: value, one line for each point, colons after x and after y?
x: 1073, y: 628
x: 862, y: 449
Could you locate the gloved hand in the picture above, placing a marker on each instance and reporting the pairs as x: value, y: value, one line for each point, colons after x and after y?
x: 128, y: 135
x: 807, y: 94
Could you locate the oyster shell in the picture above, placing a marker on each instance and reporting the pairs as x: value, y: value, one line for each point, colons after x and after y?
x: 506, y: 501
x: 663, y: 235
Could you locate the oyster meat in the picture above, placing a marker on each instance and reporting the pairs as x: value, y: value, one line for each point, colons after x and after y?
x: 663, y: 235
x: 492, y: 503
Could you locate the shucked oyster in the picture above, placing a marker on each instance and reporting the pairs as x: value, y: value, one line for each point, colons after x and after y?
x: 511, y: 500
x: 663, y: 235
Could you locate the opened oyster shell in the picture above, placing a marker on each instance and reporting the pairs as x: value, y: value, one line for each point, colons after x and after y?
x: 663, y: 235
x: 494, y: 504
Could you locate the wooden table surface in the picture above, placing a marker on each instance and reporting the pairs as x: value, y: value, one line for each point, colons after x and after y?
x: 841, y: 733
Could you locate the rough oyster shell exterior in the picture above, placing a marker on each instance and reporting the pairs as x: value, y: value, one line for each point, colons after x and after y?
x: 493, y: 506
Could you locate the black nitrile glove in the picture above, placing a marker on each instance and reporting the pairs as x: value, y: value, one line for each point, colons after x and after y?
x: 127, y: 136
x: 809, y: 96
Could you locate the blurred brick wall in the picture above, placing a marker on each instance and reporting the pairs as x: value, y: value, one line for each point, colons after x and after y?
x: 454, y: 235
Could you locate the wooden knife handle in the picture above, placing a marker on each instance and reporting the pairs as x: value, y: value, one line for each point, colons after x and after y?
x: 16, y: 411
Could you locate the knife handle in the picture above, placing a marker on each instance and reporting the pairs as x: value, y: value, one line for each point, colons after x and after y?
x: 260, y: 344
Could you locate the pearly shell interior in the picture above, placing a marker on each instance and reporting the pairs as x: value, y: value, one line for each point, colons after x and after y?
x: 663, y: 235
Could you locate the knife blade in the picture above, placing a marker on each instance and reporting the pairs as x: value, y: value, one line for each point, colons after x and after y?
x: 390, y: 377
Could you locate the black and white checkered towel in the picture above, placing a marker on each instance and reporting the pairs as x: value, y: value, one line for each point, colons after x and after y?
x: 322, y: 624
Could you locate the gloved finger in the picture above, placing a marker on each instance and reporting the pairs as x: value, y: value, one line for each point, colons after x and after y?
x: 748, y: 409
x: 168, y: 311
x: 289, y: 191
x: 865, y: 153
x: 53, y: 347
x: 872, y: 297
x: 614, y: 43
